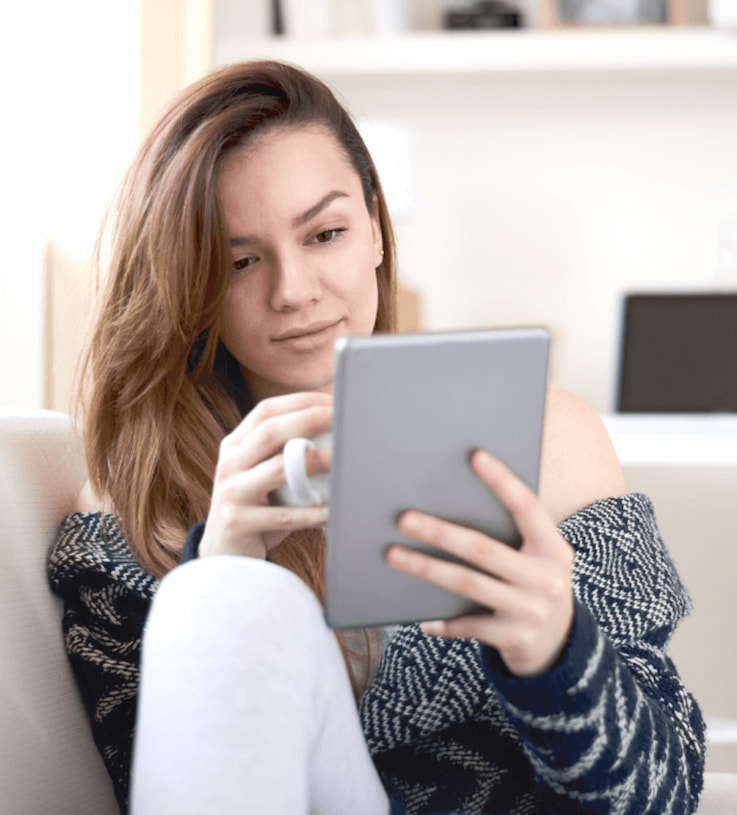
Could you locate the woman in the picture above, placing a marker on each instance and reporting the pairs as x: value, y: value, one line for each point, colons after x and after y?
x: 250, y: 233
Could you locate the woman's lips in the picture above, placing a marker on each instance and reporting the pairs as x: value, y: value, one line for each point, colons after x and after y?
x: 311, y: 334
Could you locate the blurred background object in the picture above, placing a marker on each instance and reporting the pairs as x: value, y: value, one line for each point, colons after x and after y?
x: 481, y: 15
x: 620, y: 12
x: 597, y: 12
x: 723, y: 13
x: 725, y: 273
x: 678, y: 353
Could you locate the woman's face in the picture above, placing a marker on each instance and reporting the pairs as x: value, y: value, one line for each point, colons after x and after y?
x: 305, y: 251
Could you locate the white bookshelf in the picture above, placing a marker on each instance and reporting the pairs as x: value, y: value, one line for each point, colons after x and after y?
x: 512, y: 51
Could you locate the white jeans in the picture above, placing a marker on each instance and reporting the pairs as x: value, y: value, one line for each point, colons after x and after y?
x: 245, y: 704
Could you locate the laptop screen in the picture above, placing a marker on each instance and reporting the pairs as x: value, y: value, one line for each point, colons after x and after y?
x: 679, y: 354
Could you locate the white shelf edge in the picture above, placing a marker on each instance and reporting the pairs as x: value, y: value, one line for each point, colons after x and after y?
x: 721, y: 730
x: 673, y: 440
x: 426, y: 53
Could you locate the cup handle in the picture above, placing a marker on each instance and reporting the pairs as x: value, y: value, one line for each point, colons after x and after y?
x: 295, y: 471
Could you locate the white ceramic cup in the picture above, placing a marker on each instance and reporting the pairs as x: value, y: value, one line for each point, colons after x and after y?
x: 302, y: 490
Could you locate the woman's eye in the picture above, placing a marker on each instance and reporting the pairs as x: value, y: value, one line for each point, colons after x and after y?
x: 243, y: 263
x: 327, y: 235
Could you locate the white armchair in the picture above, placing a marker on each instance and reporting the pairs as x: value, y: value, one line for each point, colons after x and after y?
x: 48, y: 761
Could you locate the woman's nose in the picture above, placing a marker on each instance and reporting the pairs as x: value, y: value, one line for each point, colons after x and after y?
x: 294, y: 284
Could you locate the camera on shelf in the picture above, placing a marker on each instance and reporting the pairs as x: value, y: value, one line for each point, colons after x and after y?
x: 487, y: 14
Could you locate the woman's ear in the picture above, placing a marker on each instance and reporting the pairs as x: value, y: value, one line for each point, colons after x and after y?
x: 378, y: 237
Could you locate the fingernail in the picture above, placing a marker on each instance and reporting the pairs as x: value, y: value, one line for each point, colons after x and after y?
x: 409, y: 523
x: 397, y: 556
x: 432, y: 627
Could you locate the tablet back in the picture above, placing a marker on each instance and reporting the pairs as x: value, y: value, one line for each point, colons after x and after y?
x: 409, y: 411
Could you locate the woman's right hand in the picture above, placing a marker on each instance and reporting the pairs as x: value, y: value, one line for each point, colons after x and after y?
x: 250, y: 466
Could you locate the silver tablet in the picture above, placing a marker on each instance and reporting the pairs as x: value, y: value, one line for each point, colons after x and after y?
x: 409, y: 411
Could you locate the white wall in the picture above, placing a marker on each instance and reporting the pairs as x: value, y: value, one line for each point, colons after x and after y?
x: 543, y: 198
x: 539, y: 198
x: 70, y: 124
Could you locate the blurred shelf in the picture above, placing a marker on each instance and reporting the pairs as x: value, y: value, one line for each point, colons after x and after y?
x: 721, y: 730
x: 646, y: 48
x: 667, y: 439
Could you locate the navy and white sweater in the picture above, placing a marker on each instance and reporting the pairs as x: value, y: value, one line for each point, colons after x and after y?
x: 609, y: 729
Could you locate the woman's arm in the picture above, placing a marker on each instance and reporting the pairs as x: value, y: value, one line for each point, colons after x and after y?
x: 106, y: 598
x: 536, y: 622
x: 628, y: 733
x: 578, y: 464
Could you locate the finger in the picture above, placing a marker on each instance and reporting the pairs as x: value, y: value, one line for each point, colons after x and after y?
x: 461, y: 580
x: 533, y: 522
x: 249, y: 487
x: 522, y: 648
x: 521, y: 568
x: 318, y: 460
x: 486, y: 553
x: 270, y: 436
x: 252, y: 486
x: 262, y: 519
x: 517, y: 644
x: 279, y: 406
x: 484, y: 627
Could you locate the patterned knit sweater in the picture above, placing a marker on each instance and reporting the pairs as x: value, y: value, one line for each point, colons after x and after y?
x: 609, y: 729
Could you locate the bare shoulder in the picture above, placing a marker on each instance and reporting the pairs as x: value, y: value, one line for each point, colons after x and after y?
x: 89, y: 501
x: 579, y: 465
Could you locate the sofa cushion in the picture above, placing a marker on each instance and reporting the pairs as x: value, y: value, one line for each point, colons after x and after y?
x: 48, y: 761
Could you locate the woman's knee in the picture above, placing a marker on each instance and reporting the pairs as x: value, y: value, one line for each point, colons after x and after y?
x: 232, y: 596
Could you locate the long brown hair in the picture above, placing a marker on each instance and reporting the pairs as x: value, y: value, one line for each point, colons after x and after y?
x: 160, y: 388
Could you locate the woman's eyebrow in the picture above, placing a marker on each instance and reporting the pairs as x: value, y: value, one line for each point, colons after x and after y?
x: 238, y: 241
x: 325, y: 201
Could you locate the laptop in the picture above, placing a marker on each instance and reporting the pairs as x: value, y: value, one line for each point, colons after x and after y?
x: 678, y: 353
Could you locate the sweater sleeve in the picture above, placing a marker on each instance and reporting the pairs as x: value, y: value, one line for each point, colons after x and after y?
x: 611, y: 728
x: 106, y: 597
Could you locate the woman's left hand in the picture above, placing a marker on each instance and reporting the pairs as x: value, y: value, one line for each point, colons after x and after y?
x: 527, y: 591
